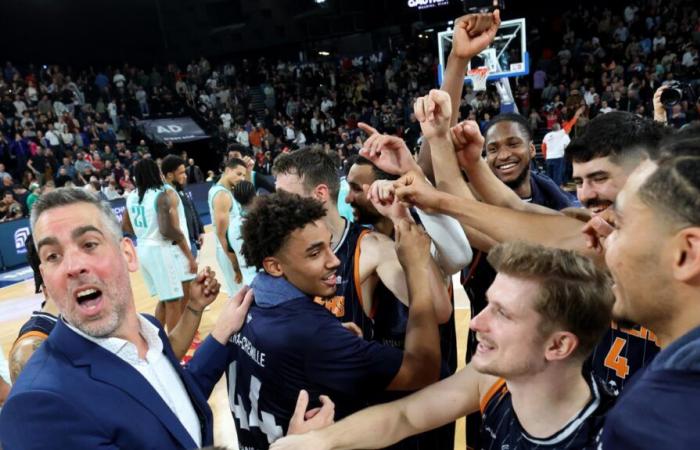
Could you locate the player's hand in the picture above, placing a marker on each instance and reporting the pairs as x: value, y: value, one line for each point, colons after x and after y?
x: 204, y: 289
x: 434, y: 112
x: 306, y: 441
x: 303, y: 421
x: 381, y: 194
x: 412, y: 244
x: 468, y: 143
x: 249, y: 163
x: 389, y: 153
x: 353, y: 328
x: 473, y: 33
x: 660, y: 114
x: 192, y: 264
x: 233, y: 315
x: 414, y: 189
x: 238, y: 277
x: 598, y: 229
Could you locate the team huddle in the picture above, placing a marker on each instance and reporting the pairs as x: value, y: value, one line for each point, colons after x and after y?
x: 339, y: 332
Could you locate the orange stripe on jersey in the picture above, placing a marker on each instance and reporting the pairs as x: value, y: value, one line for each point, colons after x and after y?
x: 356, y: 270
x: 498, y: 386
x: 38, y: 334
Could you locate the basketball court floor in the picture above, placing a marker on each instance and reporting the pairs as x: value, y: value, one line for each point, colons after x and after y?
x: 18, y: 301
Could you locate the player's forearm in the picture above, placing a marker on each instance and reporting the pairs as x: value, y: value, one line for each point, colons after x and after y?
x: 182, y: 335
x: 372, y: 428
x: 503, y: 224
x: 494, y: 192
x: 451, y: 244
x: 453, y: 83
x: 425, y: 160
x: 448, y: 177
x: 422, y: 342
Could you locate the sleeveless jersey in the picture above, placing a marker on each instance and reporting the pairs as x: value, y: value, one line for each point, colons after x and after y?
x: 182, y: 218
x: 501, y: 429
x: 621, y: 353
x: 346, y: 305
x: 236, y: 242
x: 144, y: 216
x: 233, y: 213
x: 39, y: 323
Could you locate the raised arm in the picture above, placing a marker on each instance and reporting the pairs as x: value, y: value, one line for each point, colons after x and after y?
x: 472, y: 34
x: 383, y: 425
x: 501, y: 224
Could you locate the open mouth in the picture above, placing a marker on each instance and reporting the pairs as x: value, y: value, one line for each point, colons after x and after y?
x: 599, y: 208
x: 89, y: 299
x: 330, y: 280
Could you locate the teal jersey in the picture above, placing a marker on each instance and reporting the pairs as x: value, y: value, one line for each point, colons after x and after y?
x: 180, y: 213
x: 344, y: 208
x: 144, y: 215
x: 233, y: 213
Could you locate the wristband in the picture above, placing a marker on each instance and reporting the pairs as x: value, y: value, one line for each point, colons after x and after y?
x: 194, y: 311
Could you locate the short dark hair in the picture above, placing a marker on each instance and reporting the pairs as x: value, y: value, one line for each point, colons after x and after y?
x: 235, y: 162
x: 312, y: 166
x: 618, y: 135
x: 147, y: 176
x: 674, y: 190
x: 244, y: 192
x: 378, y: 173
x: 271, y: 221
x: 573, y: 292
x: 170, y: 164
x: 684, y: 142
x: 511, y: 117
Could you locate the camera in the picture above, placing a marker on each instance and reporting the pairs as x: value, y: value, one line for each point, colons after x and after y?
x: 676, y: 92
x: 482, y: 6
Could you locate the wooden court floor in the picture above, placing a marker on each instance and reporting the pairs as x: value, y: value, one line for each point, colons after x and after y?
x: 18, y: 301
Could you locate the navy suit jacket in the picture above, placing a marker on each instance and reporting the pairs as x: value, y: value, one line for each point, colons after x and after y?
x: 73, y: 394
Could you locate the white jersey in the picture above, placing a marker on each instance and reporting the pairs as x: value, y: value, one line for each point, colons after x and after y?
x: 144, y: 216
x: 180, y: 214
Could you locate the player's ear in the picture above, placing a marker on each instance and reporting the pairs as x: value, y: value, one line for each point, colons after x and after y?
x: 272, y: 266
x: 533, y: 150
x: 561, y: 345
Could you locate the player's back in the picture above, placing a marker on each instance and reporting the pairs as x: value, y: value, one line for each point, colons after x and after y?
x: 621, y: 353
x: 143, y: 215
x: 290, y: 343
x: 182, y: 218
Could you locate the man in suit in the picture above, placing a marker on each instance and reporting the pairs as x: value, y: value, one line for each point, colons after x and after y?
x: 107, y: 376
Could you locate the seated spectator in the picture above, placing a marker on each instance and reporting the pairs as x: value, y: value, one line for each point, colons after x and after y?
x: 10, y: 209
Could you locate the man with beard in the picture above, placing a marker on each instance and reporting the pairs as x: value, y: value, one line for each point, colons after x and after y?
x: 107, y: 377
x: 653, y: 254
x: 451, y: 251
x: 509, y: 153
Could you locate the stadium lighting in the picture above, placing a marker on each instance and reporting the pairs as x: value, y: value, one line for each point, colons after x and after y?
x: 324, y: 53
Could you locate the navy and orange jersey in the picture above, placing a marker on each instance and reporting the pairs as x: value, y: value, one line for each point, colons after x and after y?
x: 295, y: 344
x: 501, y: 428
x: 39, y: 324
x: 346, y: 305
x: 621, y: 353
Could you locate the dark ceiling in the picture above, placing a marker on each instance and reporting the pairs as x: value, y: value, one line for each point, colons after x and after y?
x: 84, y: 32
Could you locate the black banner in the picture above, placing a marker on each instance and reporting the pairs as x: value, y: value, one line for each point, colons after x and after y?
x: 177, y: 129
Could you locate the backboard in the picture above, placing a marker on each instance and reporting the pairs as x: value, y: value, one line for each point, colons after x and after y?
x: 506, y: 57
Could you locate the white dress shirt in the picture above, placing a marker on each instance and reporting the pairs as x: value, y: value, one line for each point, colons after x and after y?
x: 157, y: 370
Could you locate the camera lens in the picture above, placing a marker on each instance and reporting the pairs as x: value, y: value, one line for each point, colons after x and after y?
x: 671, y: 96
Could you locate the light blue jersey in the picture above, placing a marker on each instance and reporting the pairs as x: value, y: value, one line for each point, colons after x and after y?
x: 161, y: 272
x: 177, y: 252
x: 228, y: 274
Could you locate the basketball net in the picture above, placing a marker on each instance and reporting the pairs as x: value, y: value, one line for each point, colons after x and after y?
x: 478, y: 78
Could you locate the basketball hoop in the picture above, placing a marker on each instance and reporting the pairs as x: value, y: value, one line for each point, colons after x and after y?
x: 478, y: 78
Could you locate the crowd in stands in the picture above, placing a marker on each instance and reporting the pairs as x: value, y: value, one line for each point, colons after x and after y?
x: 60, y: 126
